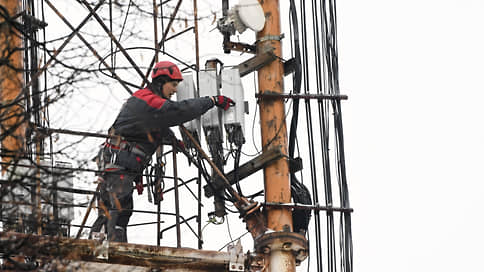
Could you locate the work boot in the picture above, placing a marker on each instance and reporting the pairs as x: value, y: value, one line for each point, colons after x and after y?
x: 100, y: 222
x: 120, y: 235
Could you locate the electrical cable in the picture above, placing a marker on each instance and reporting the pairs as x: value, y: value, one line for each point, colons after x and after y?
x: 253, y: 123
x: 120, y: 35
x: 236, y: 170
x: 346, y: 247
x: 323, y: 111
x: 312, y: 163
x: 233, y: 241
x: 299, y: 192
x: 228, y: 227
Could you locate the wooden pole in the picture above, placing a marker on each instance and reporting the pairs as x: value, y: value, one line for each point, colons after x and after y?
x: 12, y: 112
x: 273, y: 132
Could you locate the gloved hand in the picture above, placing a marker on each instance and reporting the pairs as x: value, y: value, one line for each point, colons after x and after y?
x: 223, y: 102
x: 180, y: 144
x: 139, y: 184
x: 139, y: 188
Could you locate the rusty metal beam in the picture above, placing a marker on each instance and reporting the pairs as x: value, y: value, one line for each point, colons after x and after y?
x: 180, y: 33
x: 319, y: 97
x: 160, y: 44
x: 58, y: 50
x: 163, y: 258
x: 88, y: 211
x: 92, y: 11
x: 317, y: 207
x: 121, y: 48
x: 177, y: 198
x: 245, y: 170
x: 155, y: 28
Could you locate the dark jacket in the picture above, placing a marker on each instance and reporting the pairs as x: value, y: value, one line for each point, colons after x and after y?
x: 145, y: 118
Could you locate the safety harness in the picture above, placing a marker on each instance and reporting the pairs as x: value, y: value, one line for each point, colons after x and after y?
x: 120, y: 154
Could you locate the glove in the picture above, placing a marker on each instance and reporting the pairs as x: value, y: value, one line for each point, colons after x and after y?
x: 180, y: 144
x: 139, y: 184
x: 139, y: 188
x: 223, y: 102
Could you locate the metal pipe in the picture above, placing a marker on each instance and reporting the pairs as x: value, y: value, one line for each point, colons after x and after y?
x: 59, y: 50
x: 308, y: 207
x: 87, y: 43
x: 177, y: 200
x: 197, y: 63
x: 197, y: 44
x: 158, y: 223
x: 155, y: 28
x: 88, y: 211
x: 184, y: 183
x: 57, y: 188
x: 184, y: 221
x: 110, y: 34
x: 301, y: 96
x: 179, y: 33
x: 165, y: 34
x: 199, y: 216
x: 37, y: 192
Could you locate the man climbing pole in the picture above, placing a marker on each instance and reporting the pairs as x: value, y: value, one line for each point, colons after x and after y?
x: 142, y: 124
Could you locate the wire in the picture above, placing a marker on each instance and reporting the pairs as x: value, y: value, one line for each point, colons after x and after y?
x: 228, y: 227
x: 233, y: 241
x: 120, y: 35
x: 253, y: 123
x: 236, y: 170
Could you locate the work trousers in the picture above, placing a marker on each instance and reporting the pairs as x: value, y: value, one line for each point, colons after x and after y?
x: 117, y: 196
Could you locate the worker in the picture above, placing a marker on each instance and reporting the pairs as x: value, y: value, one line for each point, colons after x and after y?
x: 143, y: 123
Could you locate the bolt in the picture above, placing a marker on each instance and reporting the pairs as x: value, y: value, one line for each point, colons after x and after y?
x: 233, y: 266
x: 286, y: 228
x: 241, y: 267
x: 286, y: 245
x: 266, y: 250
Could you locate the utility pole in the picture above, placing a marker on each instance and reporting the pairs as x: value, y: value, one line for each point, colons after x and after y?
x: 11, y: 80
x: 280, y: 247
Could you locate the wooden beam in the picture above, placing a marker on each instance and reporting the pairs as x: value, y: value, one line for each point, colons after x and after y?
x: 245, y: 170
x: 163, y: 258
x: 256, y: 62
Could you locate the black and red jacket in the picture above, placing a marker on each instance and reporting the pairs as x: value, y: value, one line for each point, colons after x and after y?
x: 145, y: 118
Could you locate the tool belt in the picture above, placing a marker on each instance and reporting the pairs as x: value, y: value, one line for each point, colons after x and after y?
x: 121, y: 154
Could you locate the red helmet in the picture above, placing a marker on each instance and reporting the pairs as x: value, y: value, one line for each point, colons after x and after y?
x: 167, y: 68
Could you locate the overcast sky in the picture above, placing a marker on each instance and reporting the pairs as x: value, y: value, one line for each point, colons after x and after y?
x: 413, y: 71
